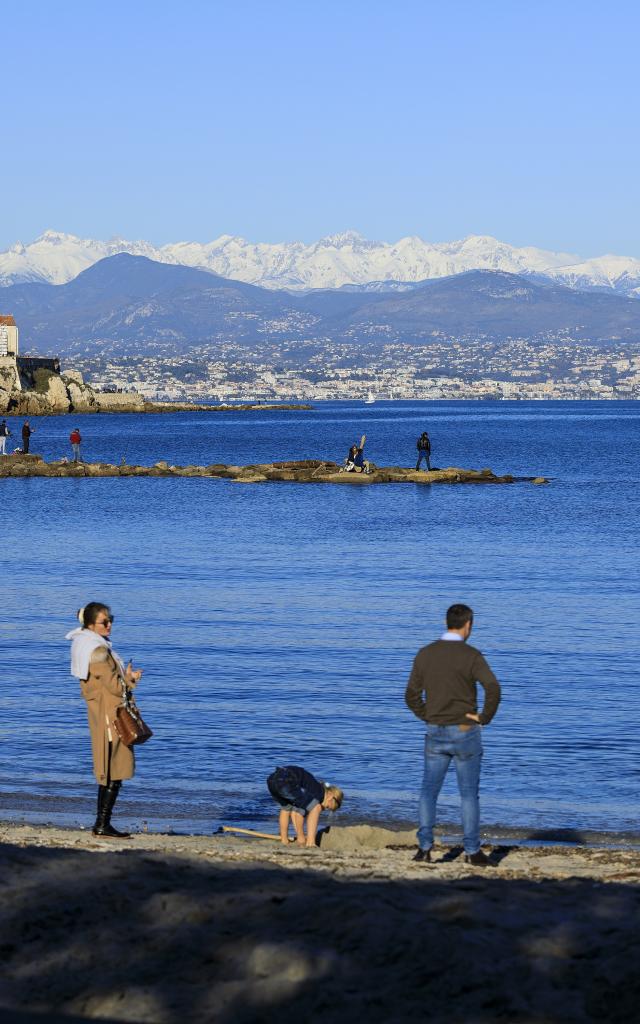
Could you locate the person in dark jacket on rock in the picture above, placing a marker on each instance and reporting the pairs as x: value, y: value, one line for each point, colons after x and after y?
x: 355, y: 461
x: 301, y: 797
x: 423, y: 444
x: 442, y: 692
x: 350, y: 460
x: 26, y: 436
x: 361, y: 464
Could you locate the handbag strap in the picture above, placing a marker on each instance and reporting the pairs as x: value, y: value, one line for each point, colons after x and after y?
x: 127, y: 700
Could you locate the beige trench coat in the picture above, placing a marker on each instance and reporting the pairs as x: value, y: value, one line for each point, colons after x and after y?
x: 103, y: 693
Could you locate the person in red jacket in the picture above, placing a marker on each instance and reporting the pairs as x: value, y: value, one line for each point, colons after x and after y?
x: 76, y: 441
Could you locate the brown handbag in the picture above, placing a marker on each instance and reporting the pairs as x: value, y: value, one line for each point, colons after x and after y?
x: 128, y: 723
x: 130, y: 727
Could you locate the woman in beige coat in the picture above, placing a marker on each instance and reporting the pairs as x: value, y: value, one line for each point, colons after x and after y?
x: 102, y: 675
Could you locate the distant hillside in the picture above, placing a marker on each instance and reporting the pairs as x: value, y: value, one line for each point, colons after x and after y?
x: 132, y: 305
x: 483, y: 303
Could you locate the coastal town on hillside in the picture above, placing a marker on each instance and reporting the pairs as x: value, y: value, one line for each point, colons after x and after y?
x: 323, y: 370
x: 316, y: 369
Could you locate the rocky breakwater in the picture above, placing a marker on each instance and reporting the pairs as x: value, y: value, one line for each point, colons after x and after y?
x: 224, y: 407
x: 308, y: 471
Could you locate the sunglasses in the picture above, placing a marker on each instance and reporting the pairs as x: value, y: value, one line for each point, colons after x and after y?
x: 105, y: 622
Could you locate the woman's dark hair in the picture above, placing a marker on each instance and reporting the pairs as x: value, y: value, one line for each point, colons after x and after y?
x: 90, y: 612
x: 458, y: 615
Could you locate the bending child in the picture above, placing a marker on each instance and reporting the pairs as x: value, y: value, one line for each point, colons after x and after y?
x: 301, y: 796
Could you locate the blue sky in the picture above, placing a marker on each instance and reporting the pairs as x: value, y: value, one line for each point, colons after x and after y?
x: 281, y: 121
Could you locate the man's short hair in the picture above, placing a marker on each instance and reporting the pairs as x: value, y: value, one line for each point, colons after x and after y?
x: 458, y: 615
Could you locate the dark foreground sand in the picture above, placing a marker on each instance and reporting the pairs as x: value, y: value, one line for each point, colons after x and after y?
x: 219, y: 929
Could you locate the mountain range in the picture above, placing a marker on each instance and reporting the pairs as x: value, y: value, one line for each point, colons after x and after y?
x: 131, y: 305
x: 337, y: 261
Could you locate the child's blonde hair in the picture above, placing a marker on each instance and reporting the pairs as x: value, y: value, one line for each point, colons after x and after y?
x: 336, y: 793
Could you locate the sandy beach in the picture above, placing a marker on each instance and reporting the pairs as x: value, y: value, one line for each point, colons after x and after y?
x: 216, y: 928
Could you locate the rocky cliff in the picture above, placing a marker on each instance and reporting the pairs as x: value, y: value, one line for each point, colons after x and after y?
x: 52, y: 394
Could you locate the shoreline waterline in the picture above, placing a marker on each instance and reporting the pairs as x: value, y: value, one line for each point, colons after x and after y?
x: 395, y: 831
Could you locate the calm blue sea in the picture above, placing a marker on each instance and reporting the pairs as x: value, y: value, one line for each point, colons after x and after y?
x: 277, y: 623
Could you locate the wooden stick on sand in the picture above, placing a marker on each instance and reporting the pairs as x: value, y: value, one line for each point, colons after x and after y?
x: 250, y: 832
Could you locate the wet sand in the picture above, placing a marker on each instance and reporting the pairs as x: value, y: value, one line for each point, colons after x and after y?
x: 200, y: 928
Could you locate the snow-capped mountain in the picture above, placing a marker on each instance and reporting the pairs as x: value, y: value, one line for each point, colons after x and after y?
x: 620, y: 273
x: 336, y: 261
x: 350, y: 259
x: 57, y: 258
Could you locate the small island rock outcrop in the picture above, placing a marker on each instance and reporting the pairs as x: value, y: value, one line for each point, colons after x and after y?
x: 307, y: 471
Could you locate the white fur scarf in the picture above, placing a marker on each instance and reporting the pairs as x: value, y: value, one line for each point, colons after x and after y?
x: 83, y: 643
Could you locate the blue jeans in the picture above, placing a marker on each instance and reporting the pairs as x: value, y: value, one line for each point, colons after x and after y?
x: 444, y: 743
x: 424, y: 455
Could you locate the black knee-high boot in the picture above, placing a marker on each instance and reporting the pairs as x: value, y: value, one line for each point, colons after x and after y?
x: 107, y: 796
x: 102, y: 792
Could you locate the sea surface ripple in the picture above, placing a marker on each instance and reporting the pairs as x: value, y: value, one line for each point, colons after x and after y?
x: 277, y: 623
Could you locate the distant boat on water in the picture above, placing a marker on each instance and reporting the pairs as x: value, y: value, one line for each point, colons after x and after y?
x: 370, y: 399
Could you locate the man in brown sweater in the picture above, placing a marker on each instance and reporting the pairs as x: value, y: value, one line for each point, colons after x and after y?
x: 442, y: 692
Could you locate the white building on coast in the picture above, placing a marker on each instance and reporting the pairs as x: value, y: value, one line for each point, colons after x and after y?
x: 8, y: 337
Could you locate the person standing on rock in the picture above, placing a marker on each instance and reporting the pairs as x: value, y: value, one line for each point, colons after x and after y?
x: 26, y: 436
x: 4, y: 434
x: 102, y: 675
x: 76, y: 441
x: 442, y: 693
x: 423, y: 444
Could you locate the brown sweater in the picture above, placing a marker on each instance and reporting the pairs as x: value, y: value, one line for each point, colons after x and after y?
x: 442, y: 685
